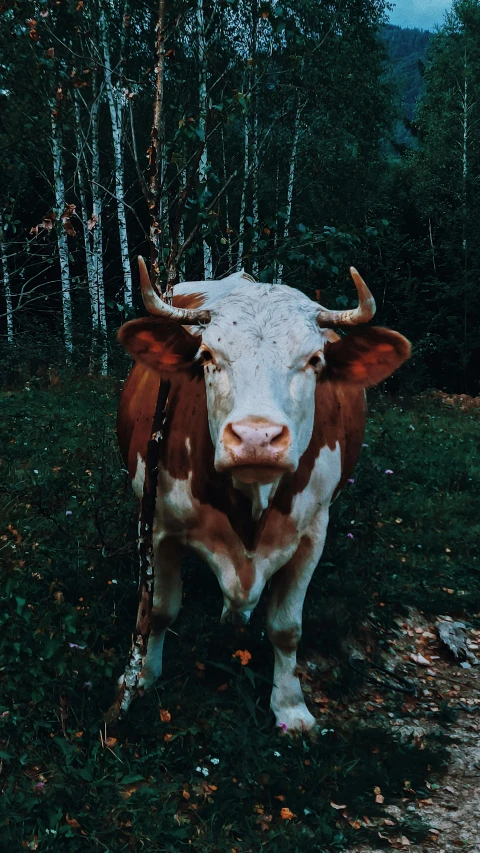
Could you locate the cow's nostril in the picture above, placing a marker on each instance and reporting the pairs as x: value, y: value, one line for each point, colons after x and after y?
x: 280, y: 440
x: 231, y: 437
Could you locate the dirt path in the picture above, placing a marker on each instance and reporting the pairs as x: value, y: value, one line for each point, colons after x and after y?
x: 452, y: 809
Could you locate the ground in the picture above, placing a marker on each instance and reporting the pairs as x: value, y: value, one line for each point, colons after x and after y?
x: 198, y: 765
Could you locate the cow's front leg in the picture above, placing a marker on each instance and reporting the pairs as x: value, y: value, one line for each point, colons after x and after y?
x: 284, y: 625
x: 167, y: 598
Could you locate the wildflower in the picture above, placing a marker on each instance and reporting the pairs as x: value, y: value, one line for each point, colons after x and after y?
x: 76, y: 646
x: 35, y: 471
x: 350, y: 536
x: 388, y: 471
x: 351, y: 480
x: 203, y: 770
x: 283, y: 727
x: 215, y: 761
x: 276, y: 754
x: 244, y: 657
x: 68, y: 512
x: 286, y: 814
x: 40, y: 785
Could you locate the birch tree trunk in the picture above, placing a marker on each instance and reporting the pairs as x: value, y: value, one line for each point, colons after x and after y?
x: 283, y: 232
x: 158, y: 215
x: 255, y: 186
x: 89, y: 258
x: 243, y: 198
x: 57, y: 144
x: 202, y: 123
x: 115, y: 99
x: 227, y: 207
x: 97, y: 237
x: 6, y: 281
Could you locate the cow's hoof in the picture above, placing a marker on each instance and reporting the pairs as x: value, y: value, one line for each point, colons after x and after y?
x: 296, y: 720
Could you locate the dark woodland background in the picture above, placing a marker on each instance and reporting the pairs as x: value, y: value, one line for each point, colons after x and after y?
x: 295, y: 139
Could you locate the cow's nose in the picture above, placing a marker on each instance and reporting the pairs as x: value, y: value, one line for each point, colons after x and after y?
x: 256, y: 437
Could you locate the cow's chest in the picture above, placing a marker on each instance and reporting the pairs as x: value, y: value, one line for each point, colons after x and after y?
x: 219, y: 535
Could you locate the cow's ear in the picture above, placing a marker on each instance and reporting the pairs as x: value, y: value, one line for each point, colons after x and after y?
x: 367, y: 356
x: 160, y: 344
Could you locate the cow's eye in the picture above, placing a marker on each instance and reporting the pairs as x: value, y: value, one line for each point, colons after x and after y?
x: 205, y: 356
x: 315, y: 361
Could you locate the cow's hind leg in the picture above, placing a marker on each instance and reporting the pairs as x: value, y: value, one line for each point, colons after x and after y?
x: 284, y: 625
x: 167, y: 598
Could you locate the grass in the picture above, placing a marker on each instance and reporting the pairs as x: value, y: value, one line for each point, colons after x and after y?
x: 213, y: 774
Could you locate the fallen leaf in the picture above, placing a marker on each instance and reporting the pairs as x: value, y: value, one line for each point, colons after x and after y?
x: 420, y: 660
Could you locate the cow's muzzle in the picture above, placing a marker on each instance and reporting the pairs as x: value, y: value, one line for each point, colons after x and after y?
x: 258, y: 449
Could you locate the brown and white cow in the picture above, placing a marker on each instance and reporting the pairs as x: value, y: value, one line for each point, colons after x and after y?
x: 265, y: 421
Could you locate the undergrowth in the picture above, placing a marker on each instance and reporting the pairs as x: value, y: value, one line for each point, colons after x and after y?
x: 197, y: 765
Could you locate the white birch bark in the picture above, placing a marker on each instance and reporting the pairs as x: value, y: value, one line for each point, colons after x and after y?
x: 243, y: 198
x: 115, y: 99
x: 227, y: 207
x: 82, y: 181
x: 57, y: 144
x: 283, y: 232
x: 97, y: 249
x: 202, y: 122
x: 6, y: 282
x: 255, y: 185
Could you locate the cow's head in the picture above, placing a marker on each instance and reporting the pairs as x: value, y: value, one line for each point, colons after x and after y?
x: 262, y: 350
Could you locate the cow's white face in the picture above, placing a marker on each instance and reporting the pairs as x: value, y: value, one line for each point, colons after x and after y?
x: 262, y: 355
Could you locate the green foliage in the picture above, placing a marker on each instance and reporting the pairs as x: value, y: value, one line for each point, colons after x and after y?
x: 407, y: 49
x: 68, y: 601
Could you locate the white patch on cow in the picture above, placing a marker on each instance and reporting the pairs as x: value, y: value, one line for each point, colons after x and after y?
x: 139, y: 478
x: 324, y: 479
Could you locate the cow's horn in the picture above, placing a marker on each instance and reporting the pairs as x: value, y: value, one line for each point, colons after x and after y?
x: 155, y: 304
x: 364, y: 311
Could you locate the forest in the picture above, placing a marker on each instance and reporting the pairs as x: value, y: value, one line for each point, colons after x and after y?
x: 291, y: 140
x: 279, y: 152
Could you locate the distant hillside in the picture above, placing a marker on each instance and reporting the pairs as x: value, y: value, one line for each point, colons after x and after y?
x: 407, y: 49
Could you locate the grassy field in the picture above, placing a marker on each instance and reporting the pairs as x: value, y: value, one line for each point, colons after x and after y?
x: 198, y: 765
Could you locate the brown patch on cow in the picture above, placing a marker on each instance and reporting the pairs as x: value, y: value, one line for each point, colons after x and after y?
x: 366, y: 356
x: 339, y: 417
x: 287, y: 641
x: 189, y: 300
x: 159, y: 344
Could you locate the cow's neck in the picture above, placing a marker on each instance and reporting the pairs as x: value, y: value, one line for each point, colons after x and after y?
x: 260, y: 496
